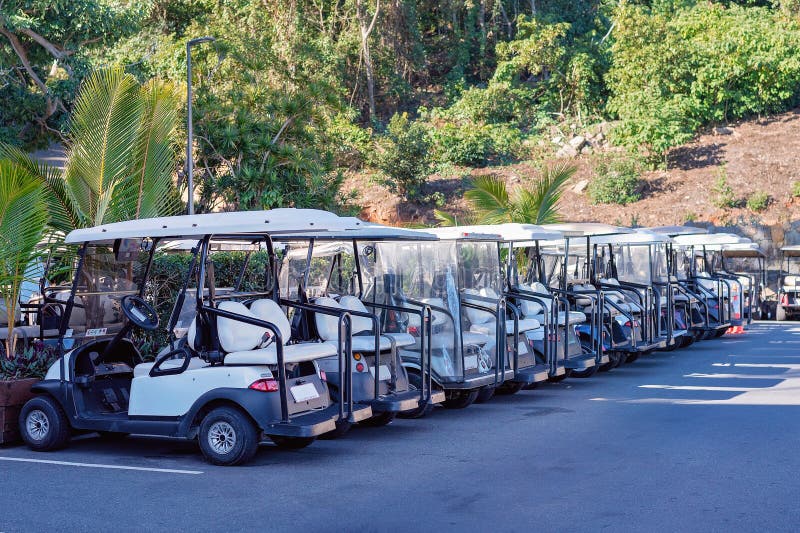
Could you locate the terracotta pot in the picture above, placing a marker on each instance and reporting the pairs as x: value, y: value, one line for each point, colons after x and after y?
x: 13, y: 395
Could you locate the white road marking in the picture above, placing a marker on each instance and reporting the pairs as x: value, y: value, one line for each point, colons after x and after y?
x: 96, y: 465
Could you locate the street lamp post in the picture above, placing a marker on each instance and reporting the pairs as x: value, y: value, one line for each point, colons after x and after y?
x: 189, y: 126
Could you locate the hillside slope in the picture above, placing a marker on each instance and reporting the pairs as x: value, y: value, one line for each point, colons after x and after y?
x: 755, y: 155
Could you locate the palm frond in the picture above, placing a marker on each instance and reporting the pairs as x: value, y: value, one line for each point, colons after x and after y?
x: 104, y: 124
x: 61, y: 208
x: 148, y: 191
x: 490, y: 200
x: 549, y: 189
x: 23, y: 217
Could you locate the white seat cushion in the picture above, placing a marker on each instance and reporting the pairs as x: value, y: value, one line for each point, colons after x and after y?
x: 235, y: 336
x: 366, y: 343
x: 269, y: 311
x: 401, y: 339
x: 360, y: 323
x: 575, y: 317
x: 476, y: 316
x: 294, y: 353
x: 474, y: 338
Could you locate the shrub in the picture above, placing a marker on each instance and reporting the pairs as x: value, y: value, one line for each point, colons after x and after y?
x: 33, y: 362
x: 758, y: 201
x: 403, y: 156
x: 796, y: 188
x: 723, y: 193
x: 467, y: 145
x: 616, y: 182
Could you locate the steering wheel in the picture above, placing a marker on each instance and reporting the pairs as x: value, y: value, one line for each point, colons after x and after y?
x: 139, y: 312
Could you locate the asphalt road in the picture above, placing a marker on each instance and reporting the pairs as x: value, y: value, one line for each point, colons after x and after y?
x: 703, y: 439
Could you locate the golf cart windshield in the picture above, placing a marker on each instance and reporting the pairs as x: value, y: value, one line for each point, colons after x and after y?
x: 109, y: 272
x: 633, y: 263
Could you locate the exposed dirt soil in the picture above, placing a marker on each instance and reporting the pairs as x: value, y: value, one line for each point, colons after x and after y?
x: 756, y: 155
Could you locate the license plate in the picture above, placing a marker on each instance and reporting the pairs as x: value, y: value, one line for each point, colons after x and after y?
x: 96, y: 332
x: 305, y: 392
x: 470, y: 362
x: 384, y: 374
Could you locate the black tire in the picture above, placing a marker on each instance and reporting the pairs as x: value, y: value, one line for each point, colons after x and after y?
x: 631, y: 357
x: 686, y: 341
x: 228, y: 437
x: 614, y: 360
x: 415, y: 383
x: 587, y: 373
x: 780, y: 314
x: 291, y: 443
x: 719, y: 333
x: 461, y: 399
x: 512, y: 387
x: 43, y: 425
x: 558, y: 379
x: 381, y: 419
x: 485, y: 394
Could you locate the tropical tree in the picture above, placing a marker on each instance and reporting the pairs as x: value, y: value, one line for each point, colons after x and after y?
x: 23, y: 219
x: 492, y: 203
x: 120, y: 156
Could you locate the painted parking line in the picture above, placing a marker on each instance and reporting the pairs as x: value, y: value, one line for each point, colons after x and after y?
x: 97, y: 465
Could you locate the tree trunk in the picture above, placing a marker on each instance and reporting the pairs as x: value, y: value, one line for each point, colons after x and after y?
x: 366, y: 30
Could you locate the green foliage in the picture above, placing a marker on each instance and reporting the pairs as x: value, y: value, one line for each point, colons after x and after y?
x: 796, y: 188
x: 33, y: 362
x: 676, y: 68
x: 724, y: 196
x: 758, y: 201
x: 492, y: 203
x: 46, y: 51
x: 23, y: 216
x: 616, y: 181
x: 403, y: 156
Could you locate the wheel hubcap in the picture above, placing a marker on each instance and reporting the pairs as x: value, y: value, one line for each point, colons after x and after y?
x: 221, y: 437
x: 37, y: 424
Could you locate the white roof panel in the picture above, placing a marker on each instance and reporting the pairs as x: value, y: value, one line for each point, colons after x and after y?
x: 709, y: 239
x: 678, y: 230
x: 742, y: 250
x: 458, y: 232
x: 586, y: 229
x: 792, y: 251
x: 274, y: 221
x: 507, y: 232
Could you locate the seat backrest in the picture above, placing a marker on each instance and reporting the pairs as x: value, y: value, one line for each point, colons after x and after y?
x: 476, y: 316
x: 236, y: 336
x: 360, y: 323
x: 791, y: 280
x: 327, y: 325
x: 530, y: 308
x: 269, y: 311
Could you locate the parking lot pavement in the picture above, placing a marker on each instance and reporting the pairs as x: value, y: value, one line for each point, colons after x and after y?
x: 700, y: 439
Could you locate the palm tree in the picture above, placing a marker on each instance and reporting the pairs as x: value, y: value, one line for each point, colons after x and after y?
x: 120, y: 154
x: 23, y: 217
x: 120, y: 160
x: 492, y: 203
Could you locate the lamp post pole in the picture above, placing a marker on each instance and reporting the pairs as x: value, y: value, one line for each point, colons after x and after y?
x: 189, y: 125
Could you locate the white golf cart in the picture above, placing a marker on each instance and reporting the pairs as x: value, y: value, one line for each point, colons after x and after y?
x: 229, y: 373
x: 747, y: 263
x: 788, y: 307
x: 337, y: 270
x: 536, y: 332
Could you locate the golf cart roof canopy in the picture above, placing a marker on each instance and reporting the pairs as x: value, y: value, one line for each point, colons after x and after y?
x: 742, y: 250
x: 460, y: 233
x: 710, y: 239
x: 640, y: 236
x: 586, y: 229
x: 506, y: 232
x: 672, y: 231
x: 370, y: 232
x: 275, y: 221
x: 791, y: 251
